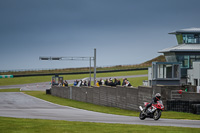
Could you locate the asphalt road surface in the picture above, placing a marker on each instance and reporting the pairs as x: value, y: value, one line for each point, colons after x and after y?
x: 20, y: 105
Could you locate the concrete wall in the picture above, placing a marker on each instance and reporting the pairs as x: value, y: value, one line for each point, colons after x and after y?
x: 122, y: 97
x: 190, y: 96
x: 63, y: 92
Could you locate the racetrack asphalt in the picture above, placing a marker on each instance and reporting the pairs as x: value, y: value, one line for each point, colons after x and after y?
x: 20, y: 105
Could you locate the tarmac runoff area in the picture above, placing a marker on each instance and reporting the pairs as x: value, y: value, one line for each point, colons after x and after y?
x: 20, y: 105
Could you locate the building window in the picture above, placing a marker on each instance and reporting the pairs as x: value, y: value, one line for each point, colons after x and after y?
x: 191, y: 38
x: 192, y: 59
x: 176, y: 71
x: 197, y: 57
x: 166, y: 71
x: 183, y: 60
x: 186, y: 61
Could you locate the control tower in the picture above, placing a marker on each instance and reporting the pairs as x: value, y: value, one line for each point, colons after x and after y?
x: 179, y: 59
x: 187, y: 51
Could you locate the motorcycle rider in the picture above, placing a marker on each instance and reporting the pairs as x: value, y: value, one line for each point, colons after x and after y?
x: 154, y: 100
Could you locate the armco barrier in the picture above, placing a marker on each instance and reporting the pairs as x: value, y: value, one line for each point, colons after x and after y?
x: 6, y: 76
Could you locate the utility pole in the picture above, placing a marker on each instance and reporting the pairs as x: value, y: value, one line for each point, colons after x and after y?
x: 94, y: 66
x: 90, y: 71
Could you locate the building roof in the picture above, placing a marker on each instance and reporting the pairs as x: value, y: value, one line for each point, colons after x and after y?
x: 182, y: 48
x: 189, y: 30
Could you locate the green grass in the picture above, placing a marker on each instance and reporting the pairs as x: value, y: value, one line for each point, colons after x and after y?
x: 81, y: 105
x: 10, y: 90
x: 109, y: 110
x: 37, y: 79
x: 136, y: 81
x: 20, y: 125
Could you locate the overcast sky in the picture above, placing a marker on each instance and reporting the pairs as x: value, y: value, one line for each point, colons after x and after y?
x: 122, y: 31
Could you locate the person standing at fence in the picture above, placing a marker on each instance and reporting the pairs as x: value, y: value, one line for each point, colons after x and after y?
x: 66, y: 83
x: 127, y: 83
x: 124, y: 82
x: 106, y: 82
x: 97, y: 84
x: 118, y: 82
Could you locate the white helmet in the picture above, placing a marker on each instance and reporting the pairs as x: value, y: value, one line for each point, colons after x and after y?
x: 158, y: 95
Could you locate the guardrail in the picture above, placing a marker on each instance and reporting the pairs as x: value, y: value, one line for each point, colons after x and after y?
x: 6, y: 76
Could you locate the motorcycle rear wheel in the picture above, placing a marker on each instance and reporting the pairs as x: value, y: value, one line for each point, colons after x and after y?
x: 157, y: 115
x: 142, y: 116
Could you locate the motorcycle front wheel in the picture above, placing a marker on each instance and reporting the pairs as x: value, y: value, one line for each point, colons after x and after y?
x: 157, y: 115
x: 142, y: 116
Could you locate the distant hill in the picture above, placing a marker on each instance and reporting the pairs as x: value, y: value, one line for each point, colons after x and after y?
x: 160, y: 58
x: 146, y: 64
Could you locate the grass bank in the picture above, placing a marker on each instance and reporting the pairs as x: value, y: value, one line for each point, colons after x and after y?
x: 37, y: 79
x: 20, y: 125
x: 10, y: 90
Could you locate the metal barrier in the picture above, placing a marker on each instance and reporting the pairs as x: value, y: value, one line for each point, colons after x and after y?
x: 6, y: 76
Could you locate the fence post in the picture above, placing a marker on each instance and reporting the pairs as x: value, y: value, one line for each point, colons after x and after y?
x: 70, y: 92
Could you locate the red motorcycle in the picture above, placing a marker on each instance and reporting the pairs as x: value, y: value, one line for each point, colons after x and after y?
x: 152, y: 112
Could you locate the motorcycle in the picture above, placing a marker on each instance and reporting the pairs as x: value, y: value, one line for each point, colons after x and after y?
x: 152, y: 112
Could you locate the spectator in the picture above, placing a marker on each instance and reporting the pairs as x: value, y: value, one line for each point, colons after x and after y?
x: 97, y: 84
x: 59, y: 83
x: 118, y: 82
x: 88, y: 83
x: 85, y: 83
x: 53, y: 82
x: 81, y: 83
x: 75, y: 83
x: 115, y: 81
x: 128, y: 83
x: 66, y: 83
x: 110, y: 83
x: 124, y: 83
x: 106, y: 82
x: 100, y: 82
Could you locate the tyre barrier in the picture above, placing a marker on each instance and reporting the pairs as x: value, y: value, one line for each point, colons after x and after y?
x: 48, y: 91
x: 184, y: 106
x: 196, y: 108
